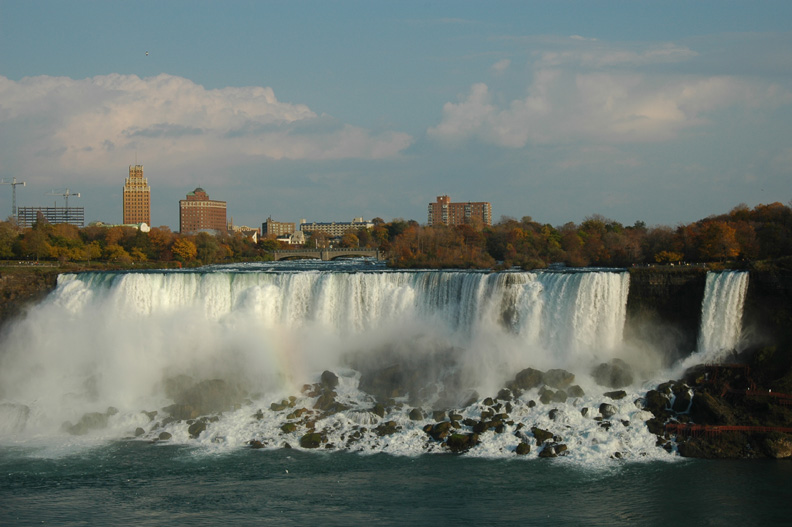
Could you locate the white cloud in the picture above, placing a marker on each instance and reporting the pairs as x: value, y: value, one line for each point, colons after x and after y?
x: 87, y: 125
x: 567, y: 105
x: 501, y: 66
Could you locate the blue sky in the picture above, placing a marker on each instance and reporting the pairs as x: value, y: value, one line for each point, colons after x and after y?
x: 663, y: 112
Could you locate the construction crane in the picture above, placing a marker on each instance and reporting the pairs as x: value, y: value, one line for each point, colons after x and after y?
x: 13, y: 184
x: 65, y: 195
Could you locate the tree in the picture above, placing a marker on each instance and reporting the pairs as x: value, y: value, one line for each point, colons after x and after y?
x: 184, y: 250
x: 349, y: 240
x: 8, y: 235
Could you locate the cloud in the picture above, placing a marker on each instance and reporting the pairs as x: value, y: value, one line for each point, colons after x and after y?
x: 602, y: 105
x: 85, y: 125
x: 501, y: 66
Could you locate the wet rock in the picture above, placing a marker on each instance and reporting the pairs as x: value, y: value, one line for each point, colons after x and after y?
x: 706, y: 409
x: 547, y: 397
x: 329, y: 380
x: 288, y: 428
x: 438, y: 415
x: 164, y: 436
x: 388, y: 428
x: 259, y: 415
x: 312, y: 440
x: 655, y: 426
x: 777, y: 445
x: 531, y: 403
x: 255, y: 443
x: 181, y: 412
x: 529, y: 378
x: 196, y: 428
x: 379, y: 410
x: 504, y: 394
x: 560, y: 396
x: 139, y: 432
x: 439, y: 431
x: 552, y: 450
x: 541, y: 435
x: 613, y: 374
x: 210, y: 397
x: 682, y: 399
x: 617, y: 395
x: 575, y: 391
x: 656, y: 402
x: 607, y: 410
x: 553, y: 414
x: 558, y: 379
x: 458, y: 443
x: 416, y: 414
x: 523, y: 449
x: 455, y: 416
x: 584, y: 411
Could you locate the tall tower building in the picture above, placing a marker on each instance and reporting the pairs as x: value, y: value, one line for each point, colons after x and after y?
x: 444, y: 212
x: 137, y: 197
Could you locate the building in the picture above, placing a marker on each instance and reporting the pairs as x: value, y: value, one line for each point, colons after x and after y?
x: 27, y: 216
x: 443, y: 212
x: 199, y: 213
x: 278, y: 228
x: 137, y: 197
x: 335, y: 229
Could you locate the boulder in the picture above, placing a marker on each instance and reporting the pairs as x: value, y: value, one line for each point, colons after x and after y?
x: 613, y: 374
x: 547, y: 397
x: 458, y: 443
x: 164, y: 436
x: 559, y: 379
x: 439, y: 431
x: 541, y: 435
x: 777, y: 445
x: 707, y: 409
x: 504, y: 394
x: 255, y: 443
x: 379, y: 410
x: 607, y: 410
x: 139, y: 432
x: 388, y: 428
x: 682, y: 400
x: 560, y: 396
x: 619, y: 394
x: 196, y: 428
x: 529, y: 378
x: 522, y: 449
x: 311, y: 440
x: 656, y: 402
x: 575, y: 391
x: 416, y: 414
x: 288, y: 428
x: 329, y: 380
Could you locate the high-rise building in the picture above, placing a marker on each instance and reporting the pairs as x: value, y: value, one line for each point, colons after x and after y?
x: 199, y: 213
x: 137, y: 197
x: 443, y: 212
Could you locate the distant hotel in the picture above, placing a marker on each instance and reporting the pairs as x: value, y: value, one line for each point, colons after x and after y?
x: 335, y: 229
x: 137, y: 197
x: 443, y: 212
x: 198, y: 213
x: 28, y: 216
x: 278, y: 228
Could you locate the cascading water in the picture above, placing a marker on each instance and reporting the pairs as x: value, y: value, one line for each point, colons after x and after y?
x: 129, y: 340
x: 721, y: 315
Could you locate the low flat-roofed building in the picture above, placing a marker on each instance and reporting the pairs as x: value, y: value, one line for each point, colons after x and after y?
x: 336, y: 228
x: 27, y: 216
x: 276, y: 228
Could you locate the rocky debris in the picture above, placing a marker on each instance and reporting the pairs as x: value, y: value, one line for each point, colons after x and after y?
x: 329, y: 380
x: 387, y: 428
x: 613, y: 374
x: 89, y: 422
x: 312, y: 440
x: 553, y: 450
x: 575, y: 391
x: 523, y: 449
x: 530, y: 378
x: 777, y: 445
x: 196, y: 428
x: 192, y: 399
x: 379, y: 410
x: 607, y: 410
x: 728, y: 400
x: 541, y: 435
x: 617, y: 395
x: 288, y: 428
x: 255, y: 443
x: 459, y: 443
x: 416, y: 415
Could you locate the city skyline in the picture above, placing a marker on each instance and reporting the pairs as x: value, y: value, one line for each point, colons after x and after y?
x: 658, y: 112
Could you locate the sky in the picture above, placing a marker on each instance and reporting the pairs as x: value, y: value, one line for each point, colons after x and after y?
x: 662, y: 112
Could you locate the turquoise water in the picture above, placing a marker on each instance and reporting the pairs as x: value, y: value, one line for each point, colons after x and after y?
x: 137, y: 483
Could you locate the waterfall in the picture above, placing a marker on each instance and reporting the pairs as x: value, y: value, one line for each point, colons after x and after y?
x: 103, y: 339
x: 721, y: 314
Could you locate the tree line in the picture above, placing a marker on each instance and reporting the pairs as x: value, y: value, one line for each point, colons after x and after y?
x: 761, y: 233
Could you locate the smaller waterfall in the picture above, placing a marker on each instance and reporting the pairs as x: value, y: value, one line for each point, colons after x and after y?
x: 721, y: 314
